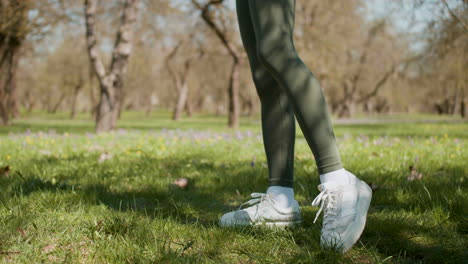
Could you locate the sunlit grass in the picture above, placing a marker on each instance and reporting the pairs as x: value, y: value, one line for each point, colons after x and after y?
x: 72, y: 196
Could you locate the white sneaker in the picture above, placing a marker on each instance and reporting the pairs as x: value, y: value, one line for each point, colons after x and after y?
x: 345, y: 210
x: 263, y: 211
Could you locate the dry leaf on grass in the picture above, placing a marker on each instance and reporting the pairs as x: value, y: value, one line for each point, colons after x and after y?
x: 414, y: 174
x: 49, y: 248
x: 104, y: 156
x: 181, y: 183
x: 5, y: 171
x: 21, y: 231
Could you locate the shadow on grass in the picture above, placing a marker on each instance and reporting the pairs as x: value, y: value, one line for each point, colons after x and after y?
x: 205, y: 200
x: 402, y: 238
x: 201, y: 202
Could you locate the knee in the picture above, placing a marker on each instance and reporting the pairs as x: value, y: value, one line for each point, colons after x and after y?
x: 276, y: 55
x: 263, y: 82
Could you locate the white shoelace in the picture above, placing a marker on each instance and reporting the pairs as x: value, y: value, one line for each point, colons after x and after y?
x: 257, y: 199
x: 327, y: 199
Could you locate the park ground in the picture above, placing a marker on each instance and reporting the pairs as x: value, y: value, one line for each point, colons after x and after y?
x: 68, y: 195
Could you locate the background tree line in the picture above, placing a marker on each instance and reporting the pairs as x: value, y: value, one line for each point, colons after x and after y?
x: 104, y: 57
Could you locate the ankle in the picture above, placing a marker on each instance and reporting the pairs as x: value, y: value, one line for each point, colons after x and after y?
x: 283, y: 196
x: 340, y: 176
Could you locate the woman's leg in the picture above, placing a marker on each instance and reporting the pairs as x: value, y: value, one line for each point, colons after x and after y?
x: 278, y: 123
x: 282, y: 79
x: 273, y: 23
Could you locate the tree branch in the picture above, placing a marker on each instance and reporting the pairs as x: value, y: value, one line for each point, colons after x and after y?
x: 171, y: 70
x: 385, y: 78
x: 123, y: 42
x: 465, y: 26
x: 91, y: 40
x: 363, y: 59
x: 206, y: 15
x: 378, y: 85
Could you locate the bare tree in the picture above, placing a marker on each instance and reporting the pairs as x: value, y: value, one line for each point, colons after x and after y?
x: 21, y: 22
x: 362, y: 58
x: 180, y: 77
x: 110, y: 81
x: 354, y: 58
x: 455, y: 16
x: 208, y: 16
x: 76, y: 91
x: 13, y: 32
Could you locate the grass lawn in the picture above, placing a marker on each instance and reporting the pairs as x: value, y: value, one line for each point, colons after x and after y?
x: 72, y: 196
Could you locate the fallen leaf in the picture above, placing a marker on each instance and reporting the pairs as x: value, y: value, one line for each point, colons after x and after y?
x: 414, y: 174
x: 5, y: 171
x: 104, y: 156
x: 21, y: 231
x: 49, y: 248
x: 181, y: 183
x: 99, y: 225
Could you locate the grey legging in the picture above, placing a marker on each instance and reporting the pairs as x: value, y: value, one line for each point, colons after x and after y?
x: 287, y: 89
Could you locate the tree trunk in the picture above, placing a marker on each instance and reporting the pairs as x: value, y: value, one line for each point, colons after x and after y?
x: 346, y: 108
x: 76, y: 92
x: 122, y: 104
x: 13, y: 89
x: 4, y: 115
x: 4, y: 99
x: 233, y: 92
x: 464, y: 108
x: 8, y: 103
x: 181, y: 100
x: 233, y: 87
x: 456, y: 101
x: 107, y: 112
x: 55, y: 107
x: 12, y: 37
x: 30, y: 102
x: 189, y: 108
x: 92, y: 95
x: 180, y: 79
x: 111, y: 81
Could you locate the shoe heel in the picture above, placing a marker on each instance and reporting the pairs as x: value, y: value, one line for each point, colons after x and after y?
x: 364, y: 199
x: 365, y: 195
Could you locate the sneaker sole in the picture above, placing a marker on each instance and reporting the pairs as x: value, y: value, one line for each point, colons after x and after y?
x: 278, y: 224
x: 364, y: 200
x: 267, y: 224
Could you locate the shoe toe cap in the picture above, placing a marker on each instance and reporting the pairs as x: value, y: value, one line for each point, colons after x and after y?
x: 235, y: 218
